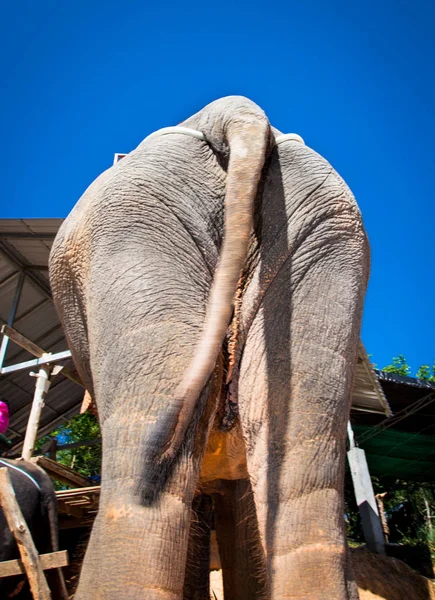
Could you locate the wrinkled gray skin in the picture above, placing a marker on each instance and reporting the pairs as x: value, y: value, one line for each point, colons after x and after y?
x: 39, y: 509
x: 132, y: 270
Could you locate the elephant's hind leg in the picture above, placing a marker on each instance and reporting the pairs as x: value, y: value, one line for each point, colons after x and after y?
x: 294, y: 394
x: 242, y: 559
x: 197, y: 577
x: 138, y: 546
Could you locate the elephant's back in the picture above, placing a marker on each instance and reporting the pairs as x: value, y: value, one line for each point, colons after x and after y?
x: 181, y: 172
x: 168, y: 182
x: 175, y: 171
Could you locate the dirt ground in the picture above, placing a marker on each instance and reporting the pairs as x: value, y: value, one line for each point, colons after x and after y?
x: 384, y: 578
x: 378, y: 578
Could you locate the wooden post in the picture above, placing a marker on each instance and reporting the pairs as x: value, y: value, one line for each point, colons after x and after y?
x: 428, y: 515
x: 53, y: 449
x: 381, y: 509
x: 41, y: 388
x: 28, y: 552
x: 365, y: 497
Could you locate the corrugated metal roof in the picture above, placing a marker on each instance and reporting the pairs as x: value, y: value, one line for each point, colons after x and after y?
x: 24, y: 249
x: 368, y: 395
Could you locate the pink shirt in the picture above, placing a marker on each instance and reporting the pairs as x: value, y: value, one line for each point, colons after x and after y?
x: 4, y: 417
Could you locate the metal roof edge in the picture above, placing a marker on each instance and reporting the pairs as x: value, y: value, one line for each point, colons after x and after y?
x: 402, y: 379
x: 371, y: 373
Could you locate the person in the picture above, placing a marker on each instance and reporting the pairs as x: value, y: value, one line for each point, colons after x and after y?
x: 4, y: 416
x: 4, y: 423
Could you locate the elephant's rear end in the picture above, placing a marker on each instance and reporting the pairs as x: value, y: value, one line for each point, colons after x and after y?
x: 132, y: 270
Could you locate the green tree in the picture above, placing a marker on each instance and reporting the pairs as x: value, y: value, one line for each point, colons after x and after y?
x: 415, y: 529
x: 426, y: 372
x: 398, y: 366
x: 86, y: 460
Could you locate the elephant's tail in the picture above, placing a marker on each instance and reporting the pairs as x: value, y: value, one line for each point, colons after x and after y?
x: 248, y: 137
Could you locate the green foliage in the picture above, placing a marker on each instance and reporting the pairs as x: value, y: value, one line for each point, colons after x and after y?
x: 412, y: 529
x: 401, y: 367
x: 86, y: 460
x: 398, y: 366
x: 426, y: 372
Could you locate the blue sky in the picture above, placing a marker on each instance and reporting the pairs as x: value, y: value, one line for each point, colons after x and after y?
x: 82, y: 80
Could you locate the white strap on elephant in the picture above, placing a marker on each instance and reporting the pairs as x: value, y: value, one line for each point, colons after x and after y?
x: 289, y: 137
x: 7, y: 464
x: 286, y: 137
x: 183, y: 130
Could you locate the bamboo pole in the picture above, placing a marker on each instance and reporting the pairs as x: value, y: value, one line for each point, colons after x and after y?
x: 41, y: 388
x: 21, y: 533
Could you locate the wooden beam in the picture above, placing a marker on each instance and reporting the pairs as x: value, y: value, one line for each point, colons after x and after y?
x: 68, y: 369
x: 74, y: 502
x: 67, y: 494
x: 22, y: 341
x: 54, y: 560
x: 75, y: 510
x: 61, y: 472
x: 21, y: 533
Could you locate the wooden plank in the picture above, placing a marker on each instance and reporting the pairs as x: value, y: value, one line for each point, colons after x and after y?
x: 78, y: 510
x: 61, y: 472
x: 70, y: 502
x: 22, y: 341
x: 79, y: 502
x: 69, y: 370
x: 53, y: 560
x: 63, y: 494
x: 28, y: 552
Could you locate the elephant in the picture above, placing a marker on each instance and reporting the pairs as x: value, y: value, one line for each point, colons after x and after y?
x: 35, y: 495
x: 211, y: 287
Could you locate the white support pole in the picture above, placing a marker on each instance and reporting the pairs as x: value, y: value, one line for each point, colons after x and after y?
x: 41, y: 388
x: 365, y: 497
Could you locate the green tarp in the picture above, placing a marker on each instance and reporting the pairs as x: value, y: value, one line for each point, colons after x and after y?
x: 397, y: 454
